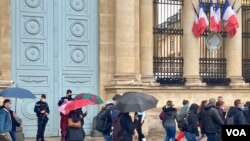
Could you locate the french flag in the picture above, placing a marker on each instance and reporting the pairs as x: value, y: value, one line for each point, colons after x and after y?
x: 215, y: 17
x: 229, y: 16
x: 195, y: 24
x: 203, y: 21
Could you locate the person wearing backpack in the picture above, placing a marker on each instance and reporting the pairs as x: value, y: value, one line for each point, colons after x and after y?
x: 169, y: 124
x: 106, y: 116
x: 183, y: 112
x: 192, y: 132
x: 211, y: 121
x: 235, y: 114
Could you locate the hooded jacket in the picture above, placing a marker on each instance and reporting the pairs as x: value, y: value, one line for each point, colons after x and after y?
x: 192, y: 120
x: 211, y: 120
x: 170, y: 115
x: 239, y: 118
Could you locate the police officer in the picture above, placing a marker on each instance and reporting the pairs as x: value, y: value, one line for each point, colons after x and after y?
x: 42, y: 112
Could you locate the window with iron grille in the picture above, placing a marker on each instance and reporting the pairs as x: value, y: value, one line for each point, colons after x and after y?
x: 246, y: 40
x: 168, y: 31
x: 213, y: 62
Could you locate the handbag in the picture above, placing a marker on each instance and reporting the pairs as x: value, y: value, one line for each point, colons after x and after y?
x: 72, y: 124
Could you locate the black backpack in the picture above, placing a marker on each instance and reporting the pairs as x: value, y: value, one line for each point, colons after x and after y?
x: 103, y: 120
x: 117, y: 130
x: 182, y: 122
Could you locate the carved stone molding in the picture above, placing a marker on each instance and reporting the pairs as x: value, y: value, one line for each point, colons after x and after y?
x: 77, y: 5
x: 33, y: 3
x: 32, y: 26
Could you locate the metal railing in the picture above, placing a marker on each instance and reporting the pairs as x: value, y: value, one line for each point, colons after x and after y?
x: 168, y: 31
x: 246, y: 40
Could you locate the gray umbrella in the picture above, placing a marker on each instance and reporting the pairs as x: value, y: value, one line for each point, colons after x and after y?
x: 136, y: 102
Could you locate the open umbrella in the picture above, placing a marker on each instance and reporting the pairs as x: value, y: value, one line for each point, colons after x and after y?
x: 62, y: 107
x: 74, y: 105
x: 136, y: 102
x: 94, y: 98
x: 15, y: 92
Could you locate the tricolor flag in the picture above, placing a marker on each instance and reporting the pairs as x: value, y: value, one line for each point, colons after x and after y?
x: 229, y: 16
x: 203, y: 21
x: 215, y: 17
x: 195, y: 24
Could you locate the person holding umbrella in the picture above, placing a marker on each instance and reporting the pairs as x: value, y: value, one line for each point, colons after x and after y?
x: 42, y: 111
x: 5, y: 120
x: 64, y: 118
x: 75, y: 122
x: 123, y: 126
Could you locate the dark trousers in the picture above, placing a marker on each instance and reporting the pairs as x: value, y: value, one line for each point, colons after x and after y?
x: 212, y: 137
x: 42, y: 121
x: 139, y: 130
x: 13, y: 135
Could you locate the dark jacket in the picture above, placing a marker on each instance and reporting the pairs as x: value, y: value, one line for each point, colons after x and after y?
x: 40, y: 106
x: 14, y: 121
x: 112, y: 116
x: 77, y: 115
x: 170, y: 116
x: 192, y: 120
x: 247, y: 112
x: 221, y: 113
x: 5, y: 121
x: 128, y: 126
x: 211, y: 120
x: 239, y: 118
x: 60, y: 102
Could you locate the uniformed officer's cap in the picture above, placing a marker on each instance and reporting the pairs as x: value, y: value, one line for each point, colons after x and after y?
x: 43, y: 96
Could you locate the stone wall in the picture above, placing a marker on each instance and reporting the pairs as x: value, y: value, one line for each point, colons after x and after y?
x: 5, y: 39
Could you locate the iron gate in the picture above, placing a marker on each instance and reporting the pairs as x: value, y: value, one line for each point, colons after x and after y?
x: 212, y: 63
x: 168, y: 31
x: 246, y: 40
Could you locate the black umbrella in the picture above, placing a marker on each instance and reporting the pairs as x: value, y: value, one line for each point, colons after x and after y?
x: 15, y: 92
x: 136, y: 102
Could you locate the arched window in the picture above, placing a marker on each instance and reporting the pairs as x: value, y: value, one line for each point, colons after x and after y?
x: 246, y: 40
x: 168, y: 31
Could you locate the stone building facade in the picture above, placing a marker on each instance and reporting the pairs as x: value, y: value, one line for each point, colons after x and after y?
x: 126, y: 56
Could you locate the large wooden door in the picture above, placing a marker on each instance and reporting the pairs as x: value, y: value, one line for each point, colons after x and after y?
x: 54, y: 48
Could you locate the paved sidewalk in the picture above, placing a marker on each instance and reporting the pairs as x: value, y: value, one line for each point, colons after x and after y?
x: 153, y: 136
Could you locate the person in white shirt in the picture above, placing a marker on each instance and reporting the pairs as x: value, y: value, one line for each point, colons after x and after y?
x: 140, y: 121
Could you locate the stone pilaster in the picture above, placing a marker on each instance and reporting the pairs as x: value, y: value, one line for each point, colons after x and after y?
x: 126, y: 41
x: 233, y: 53
x: 146, y: 40
x: 191, y: 49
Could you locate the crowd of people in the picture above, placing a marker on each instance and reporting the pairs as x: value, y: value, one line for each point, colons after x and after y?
x: 205, y: 120
x: 194, y: 121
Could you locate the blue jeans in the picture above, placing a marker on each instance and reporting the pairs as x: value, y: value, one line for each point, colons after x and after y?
x: 190, y: 136
x: 211, y: 137
x: 107, y: 137
x: 13, y: 135
x: 170, y: 130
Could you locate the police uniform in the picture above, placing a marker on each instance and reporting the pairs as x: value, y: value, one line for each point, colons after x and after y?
x: 42, y: 118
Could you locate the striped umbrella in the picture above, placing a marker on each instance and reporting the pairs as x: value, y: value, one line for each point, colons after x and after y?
x: 94, y: 98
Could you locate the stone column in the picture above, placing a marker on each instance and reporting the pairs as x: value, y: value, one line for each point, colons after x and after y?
x: 146, y: 40
x: 1, y: 27
x: 126, y: 41
x: 233, y: 51
x: 191, y: 48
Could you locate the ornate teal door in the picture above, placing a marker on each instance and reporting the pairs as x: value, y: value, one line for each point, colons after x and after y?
x: 54, y: 48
